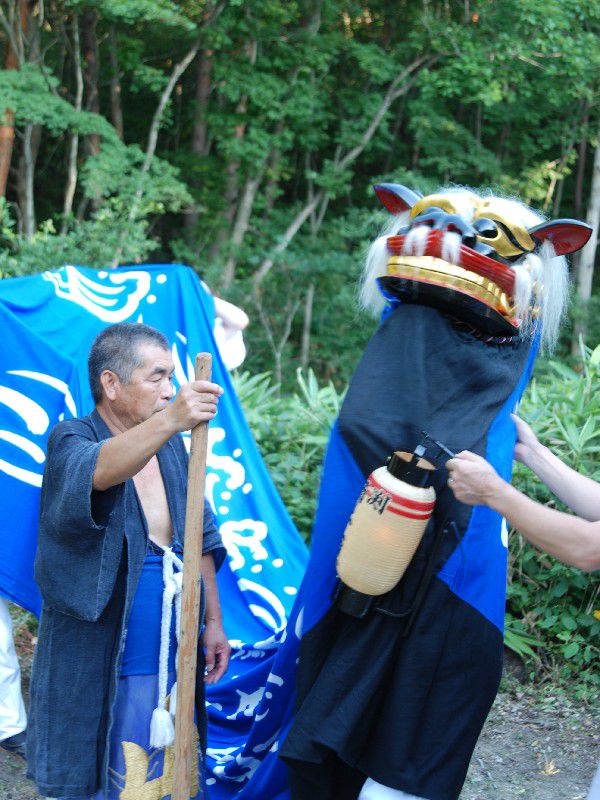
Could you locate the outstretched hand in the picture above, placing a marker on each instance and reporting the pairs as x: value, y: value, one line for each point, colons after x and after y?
x: 472, y: 479
x: 527, y: 442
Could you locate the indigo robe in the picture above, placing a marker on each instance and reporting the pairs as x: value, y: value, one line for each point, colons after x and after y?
x: 91, y: 551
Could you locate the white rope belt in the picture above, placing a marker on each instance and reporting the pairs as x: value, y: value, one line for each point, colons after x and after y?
x: 162, y: 730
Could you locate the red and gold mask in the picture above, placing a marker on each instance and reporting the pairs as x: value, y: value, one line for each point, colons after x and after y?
x: 460, y: 252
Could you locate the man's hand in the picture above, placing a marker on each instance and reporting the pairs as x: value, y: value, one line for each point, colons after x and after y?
x: 527, y: 446
x: 472, y: 479
x: 217, y: 651
x: 195, y: 402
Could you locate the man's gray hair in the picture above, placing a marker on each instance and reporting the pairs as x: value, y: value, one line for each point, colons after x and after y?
x: 117, y: 349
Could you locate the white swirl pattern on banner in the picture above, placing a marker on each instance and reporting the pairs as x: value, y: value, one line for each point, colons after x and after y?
x: 24, y: 458
x: 111, y: 302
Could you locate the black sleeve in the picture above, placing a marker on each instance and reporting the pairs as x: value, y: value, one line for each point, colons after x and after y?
x: 69, y: 502
x: 211, y: 538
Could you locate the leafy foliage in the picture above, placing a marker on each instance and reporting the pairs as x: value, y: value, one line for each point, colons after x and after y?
x: 93, y: 242
x: 548, y: 601
x: 292, y: 432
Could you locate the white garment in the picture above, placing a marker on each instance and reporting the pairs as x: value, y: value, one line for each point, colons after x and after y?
x: 376, y: 791
x: 595, y: 787
x: 230, y: 343
x: 230, y: 321
x: 13, y: 719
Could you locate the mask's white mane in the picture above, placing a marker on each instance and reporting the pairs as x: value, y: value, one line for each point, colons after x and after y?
x: 540, y: 279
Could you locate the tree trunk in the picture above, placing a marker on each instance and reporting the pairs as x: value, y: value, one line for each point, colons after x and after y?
x: 390, y: 159
x: 401, y: 84
x: 242, y: 222
x: 582, y: 150
x: 308, y: 310
x: 32, y: 135
x: 232, y: 180
x: 204, y: 65
x: 74, y: 143
x: 178, y: 71
x: 7, y: 117
x: 200, y: 140
x: 504, y: 134
x: 28, y: 159
x: 89, y: 40
x: 478, y: 123
x: 7, y: 137
x: 116, y: 108
x: 585, y: 273
x: 291, y: 231
x: 581, y: 159
x: 286, y: 313
x: 558, y: 198
x: 7, y: 130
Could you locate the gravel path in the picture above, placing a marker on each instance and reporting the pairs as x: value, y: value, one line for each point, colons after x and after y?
x: 540, y: 747
x: 537, y: 744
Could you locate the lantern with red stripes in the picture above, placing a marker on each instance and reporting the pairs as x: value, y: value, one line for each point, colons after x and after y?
x: 387, y: 525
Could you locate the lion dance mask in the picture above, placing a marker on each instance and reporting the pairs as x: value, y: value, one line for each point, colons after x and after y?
x: 469, y: 285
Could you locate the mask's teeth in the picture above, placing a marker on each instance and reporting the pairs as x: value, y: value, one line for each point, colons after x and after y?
x: 451, y: 247
x: 415, y: 241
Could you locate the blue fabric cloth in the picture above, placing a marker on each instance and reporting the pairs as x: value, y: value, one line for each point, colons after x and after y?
x: 129, y: 747
x: 142, y: 643
x: 52, y: 320
x: 133, y: 765
x: 34, y: 394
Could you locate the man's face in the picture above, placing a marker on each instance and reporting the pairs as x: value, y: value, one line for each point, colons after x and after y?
x: 150, y: 388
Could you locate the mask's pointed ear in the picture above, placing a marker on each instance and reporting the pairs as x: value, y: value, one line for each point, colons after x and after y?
x: 565, y: 235
x: 396, y: 198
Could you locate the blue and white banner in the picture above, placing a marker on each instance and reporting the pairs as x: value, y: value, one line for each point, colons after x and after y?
x: 48, y: 324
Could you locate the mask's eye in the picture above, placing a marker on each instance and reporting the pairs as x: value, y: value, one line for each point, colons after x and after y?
x: 486, y: 228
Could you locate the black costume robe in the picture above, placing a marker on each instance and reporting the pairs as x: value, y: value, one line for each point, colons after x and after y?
x: 405, y: 705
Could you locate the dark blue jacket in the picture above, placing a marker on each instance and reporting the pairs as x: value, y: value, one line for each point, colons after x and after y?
x: 91, y: 551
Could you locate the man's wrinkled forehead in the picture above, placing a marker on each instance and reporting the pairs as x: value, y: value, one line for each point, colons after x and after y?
x: 154, y: 360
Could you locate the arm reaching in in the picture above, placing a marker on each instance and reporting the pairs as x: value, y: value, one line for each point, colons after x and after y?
x: 571, y: 539
x: 576, y: 491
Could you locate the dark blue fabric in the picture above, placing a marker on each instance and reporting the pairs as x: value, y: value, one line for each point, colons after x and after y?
x: 131, y: 759
x: 92, y: 547
x: 136, y: 700
x: 142, y: 643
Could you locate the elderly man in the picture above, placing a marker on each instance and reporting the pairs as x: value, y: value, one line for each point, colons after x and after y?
x: 111, y: 531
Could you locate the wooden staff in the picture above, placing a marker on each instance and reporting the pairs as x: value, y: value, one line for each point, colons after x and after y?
x: 186, y: 757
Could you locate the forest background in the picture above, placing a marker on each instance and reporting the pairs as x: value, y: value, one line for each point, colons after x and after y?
x: 243, y: 137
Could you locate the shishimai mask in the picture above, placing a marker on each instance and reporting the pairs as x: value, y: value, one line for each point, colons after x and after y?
x: 485, y: 260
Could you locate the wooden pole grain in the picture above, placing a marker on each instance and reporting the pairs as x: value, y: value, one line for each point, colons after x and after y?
x: 186, y: 757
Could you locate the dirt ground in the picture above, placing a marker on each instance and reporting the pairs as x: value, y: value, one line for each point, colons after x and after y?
x: 537, y: 744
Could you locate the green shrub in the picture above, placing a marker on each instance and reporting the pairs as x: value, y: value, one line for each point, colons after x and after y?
x: 549, y: 602
x: 292, y: 433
